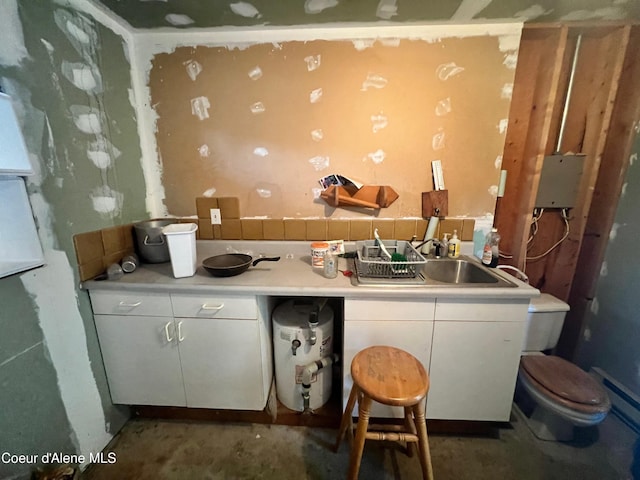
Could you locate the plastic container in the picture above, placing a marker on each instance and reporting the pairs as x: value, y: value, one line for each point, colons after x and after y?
x: 369, y: 263
x: 318, y: 249
x: 491, y: 251
x: 181, y: 238
x: 454, y: 246
x: 330, y: 267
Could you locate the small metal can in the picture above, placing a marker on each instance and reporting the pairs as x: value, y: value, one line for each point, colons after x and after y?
x: 129, y: 263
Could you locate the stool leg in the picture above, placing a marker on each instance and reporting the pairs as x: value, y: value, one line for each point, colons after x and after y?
x: 423, y: 441
x: 410, y: 426
x: 346, y: 416
x: 361, y: 431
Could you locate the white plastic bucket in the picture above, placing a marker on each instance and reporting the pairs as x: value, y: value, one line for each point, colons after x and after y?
x: 181, y: 238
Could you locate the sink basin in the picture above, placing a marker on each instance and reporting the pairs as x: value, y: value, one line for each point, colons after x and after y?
x: 457, y: 271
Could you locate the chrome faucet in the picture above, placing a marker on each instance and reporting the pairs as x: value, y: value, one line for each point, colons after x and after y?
x: 439, y: 247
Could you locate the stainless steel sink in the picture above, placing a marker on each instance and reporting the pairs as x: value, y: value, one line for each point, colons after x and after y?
x: 457, y: 271
x: 460, y: 272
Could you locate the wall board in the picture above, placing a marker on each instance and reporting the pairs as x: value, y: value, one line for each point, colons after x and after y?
x: 264, y: 122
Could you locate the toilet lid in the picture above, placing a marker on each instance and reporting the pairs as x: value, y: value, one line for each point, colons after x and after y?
x: 565, y: 379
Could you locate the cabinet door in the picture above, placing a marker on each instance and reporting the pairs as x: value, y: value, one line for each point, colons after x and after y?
x: 411, y: 336
x: 221, y: 363
x: 142, y: 364
x: 474, y: 366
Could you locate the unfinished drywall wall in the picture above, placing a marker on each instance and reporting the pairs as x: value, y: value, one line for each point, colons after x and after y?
x: 69, y: 79
x: 264, y: 122
x: 612, y: 324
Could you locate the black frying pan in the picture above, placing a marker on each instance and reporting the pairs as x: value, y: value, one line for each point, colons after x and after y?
x: 231, y: 264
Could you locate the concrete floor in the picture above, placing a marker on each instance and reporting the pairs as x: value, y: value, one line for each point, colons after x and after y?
x: 163, y: 449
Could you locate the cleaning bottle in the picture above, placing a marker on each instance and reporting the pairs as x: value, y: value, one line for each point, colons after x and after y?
x: 491, y: 251
x: 445, y: 244
x: 454, y: 245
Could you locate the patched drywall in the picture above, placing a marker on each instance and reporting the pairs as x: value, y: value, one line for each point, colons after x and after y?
x: 69, y: 78
x: 263, y: 122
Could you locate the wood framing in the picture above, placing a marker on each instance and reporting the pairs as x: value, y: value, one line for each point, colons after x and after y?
x: 599, y: 111
x: 530, y: 120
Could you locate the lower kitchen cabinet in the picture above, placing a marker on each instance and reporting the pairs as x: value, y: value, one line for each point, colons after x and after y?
x: 474, y: 359
x: 204, y: 360
x: 403, y: 324
x: 141, y: 359
x: 214, y: 351
x: 221, y: 363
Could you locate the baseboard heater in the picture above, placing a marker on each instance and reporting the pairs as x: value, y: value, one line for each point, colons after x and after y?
x: 624, y: 404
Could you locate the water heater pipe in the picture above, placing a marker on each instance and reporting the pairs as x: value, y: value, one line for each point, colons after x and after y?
x: 307, y: 374
x: 314, y: 318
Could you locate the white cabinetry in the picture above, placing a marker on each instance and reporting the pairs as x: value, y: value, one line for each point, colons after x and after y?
x: 184, y: 350
x: 143, y: 368
x: 224, y: 347
x: 137, y: 339
x: 475, y: 358
x: 403, y: 324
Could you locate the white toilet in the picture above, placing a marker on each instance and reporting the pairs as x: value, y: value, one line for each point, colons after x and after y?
x: 554, y: 394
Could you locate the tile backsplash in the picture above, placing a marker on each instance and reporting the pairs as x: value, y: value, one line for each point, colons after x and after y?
x: 236, y: 227
x: 96, y: 250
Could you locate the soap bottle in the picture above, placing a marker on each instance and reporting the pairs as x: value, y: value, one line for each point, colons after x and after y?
x: 445, y: 244
x: 454, y: 245
x: 491, y: 251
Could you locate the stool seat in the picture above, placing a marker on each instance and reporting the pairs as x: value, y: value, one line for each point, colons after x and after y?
x: 392, y: 377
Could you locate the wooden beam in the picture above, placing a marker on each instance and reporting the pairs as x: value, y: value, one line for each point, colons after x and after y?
x: 535, y: 93
x: 600, y: 63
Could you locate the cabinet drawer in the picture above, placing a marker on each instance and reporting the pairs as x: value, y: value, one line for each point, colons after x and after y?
x: 131, y: 303
x: 490, y: 310
x: 391, y: 309
x: 210, y: 306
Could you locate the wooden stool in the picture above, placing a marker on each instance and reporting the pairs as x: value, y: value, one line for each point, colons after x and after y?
x: 392, y: 377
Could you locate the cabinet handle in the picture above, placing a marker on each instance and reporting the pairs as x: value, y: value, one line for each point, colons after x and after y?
x: 206, y: 306
x: 130, y: 305
x: 180, y: 337
x: 166, y: 332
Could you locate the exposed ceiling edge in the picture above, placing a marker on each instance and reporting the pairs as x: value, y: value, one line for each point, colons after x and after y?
x: 163, y: 40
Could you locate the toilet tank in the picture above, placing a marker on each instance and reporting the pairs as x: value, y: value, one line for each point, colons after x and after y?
x: 544, y: 323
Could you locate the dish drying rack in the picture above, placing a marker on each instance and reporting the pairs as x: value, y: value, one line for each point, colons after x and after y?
x: 372, y: 262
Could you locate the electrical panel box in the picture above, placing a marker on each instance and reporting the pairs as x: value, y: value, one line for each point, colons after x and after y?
x: 560, y: 181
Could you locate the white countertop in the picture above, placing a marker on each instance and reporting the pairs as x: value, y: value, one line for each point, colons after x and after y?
x: 291, y: 276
